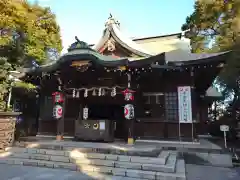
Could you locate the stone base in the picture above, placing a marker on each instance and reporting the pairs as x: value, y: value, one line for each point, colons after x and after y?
x: 7, y: 128
x: 130, y: 141
x: 59, y: 137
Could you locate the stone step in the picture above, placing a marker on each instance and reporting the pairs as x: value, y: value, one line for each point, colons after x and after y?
x: 140, y: 174
x: 120, y: 161
x: 168, y: 167
x: 77, y: 153
x: 88, y: 148
x: 180, y: 173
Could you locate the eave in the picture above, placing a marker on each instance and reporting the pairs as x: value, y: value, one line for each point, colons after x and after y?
x: 80, y: 54
x: 180, y: 57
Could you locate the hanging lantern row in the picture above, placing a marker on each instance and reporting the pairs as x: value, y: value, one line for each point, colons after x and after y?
x: 150, y: 69
x: 132, y: 70
x: 181, y: 68
x: 96, y: 91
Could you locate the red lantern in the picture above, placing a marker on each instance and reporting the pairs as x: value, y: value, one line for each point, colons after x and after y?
x: 128, y: 94
x: 58, y: 97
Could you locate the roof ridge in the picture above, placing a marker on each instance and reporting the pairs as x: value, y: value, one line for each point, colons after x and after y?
x: 158, y: 36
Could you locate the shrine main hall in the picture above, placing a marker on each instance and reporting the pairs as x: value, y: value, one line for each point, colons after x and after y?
x: 123, y: 88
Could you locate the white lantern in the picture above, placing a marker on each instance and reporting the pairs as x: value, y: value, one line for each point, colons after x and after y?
x: 77, y: 95
x: 74, y: 93
x: 94, y: 92
x: 85, y: 113
x: 57, y: 111
x: 86, y: 93
x: 129, y: 111
x: 113, y: 93
x: 103, y: 92
x: 99, y: 91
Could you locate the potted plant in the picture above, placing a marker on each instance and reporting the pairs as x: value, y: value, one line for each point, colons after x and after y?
x: 7, y: 116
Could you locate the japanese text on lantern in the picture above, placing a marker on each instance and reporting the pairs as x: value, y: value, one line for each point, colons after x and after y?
x: 57, y: 111
x: 58, y: 97
x: 128, y: 95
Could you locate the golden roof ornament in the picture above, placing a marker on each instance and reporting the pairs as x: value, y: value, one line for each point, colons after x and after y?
x: 111, y: 45
x: 111, y: 20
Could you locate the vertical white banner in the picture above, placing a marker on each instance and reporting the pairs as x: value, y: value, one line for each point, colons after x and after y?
x: 184, y: 104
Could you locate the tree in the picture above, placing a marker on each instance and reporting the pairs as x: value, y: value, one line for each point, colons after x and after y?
x: 214, y: 26
x: 27, y: 33
x: 216, y: 21
x: 5, y: 82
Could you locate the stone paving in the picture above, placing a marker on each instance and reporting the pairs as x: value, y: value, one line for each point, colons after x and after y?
x: 194, y: 172
x: 14, y: 172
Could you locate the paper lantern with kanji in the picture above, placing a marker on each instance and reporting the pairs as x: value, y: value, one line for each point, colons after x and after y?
x: 128, y: 94
x: 129, y: 111
x: 58, y: 97
x: 57, y: 111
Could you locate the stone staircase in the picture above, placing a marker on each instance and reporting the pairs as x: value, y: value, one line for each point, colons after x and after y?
x: 165, y: 166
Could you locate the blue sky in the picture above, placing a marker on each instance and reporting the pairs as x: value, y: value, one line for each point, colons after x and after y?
x: 138, y: 18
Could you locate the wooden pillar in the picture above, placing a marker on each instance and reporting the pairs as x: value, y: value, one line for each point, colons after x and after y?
x: 38, y: 106
x: 60, y: 123
x: 60, y: 109
x: 130, y: 122
x: 193, y: 128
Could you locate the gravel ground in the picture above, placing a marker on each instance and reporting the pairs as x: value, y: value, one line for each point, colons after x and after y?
x: 194, y: 172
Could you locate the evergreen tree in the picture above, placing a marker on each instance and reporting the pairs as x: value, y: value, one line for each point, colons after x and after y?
x: 218, y: 22
x: 215, y: 20
x: 27, y: 32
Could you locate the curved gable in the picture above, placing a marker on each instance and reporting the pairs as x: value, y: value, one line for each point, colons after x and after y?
x: 112, y: 37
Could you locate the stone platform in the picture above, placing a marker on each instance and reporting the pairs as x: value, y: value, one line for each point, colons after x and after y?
x: 202, y: 152
x: 138, y: 161
x: 143, y: 160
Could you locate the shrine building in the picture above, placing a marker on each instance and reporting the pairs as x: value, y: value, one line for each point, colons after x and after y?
x: 128, y: 89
